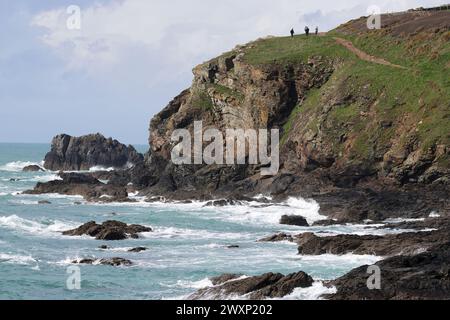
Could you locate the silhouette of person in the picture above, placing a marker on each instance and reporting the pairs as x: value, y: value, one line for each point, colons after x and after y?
x: 292, y: 32
x: 317, y: 31
x: 307, y: 31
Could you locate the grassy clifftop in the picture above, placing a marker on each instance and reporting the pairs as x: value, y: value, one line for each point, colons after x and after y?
x: 351, y: 103
x: 367, y: 111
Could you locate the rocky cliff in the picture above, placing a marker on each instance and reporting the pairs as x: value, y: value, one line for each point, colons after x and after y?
x: 82, y: 153
x: 355, y: 107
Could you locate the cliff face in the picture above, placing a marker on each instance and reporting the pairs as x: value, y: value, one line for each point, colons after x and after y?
x: 344, y: 120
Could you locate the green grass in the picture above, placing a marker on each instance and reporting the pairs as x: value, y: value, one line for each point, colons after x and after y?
x: 420, y: 94
x: 228, y: 92
x: 416, y: 99
x: 202, y: 100
x: 284, y: 50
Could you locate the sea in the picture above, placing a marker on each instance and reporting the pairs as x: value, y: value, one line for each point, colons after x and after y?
x: 190, y: 243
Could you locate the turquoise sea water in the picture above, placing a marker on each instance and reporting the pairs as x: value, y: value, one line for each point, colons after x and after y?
x: 188, y: 245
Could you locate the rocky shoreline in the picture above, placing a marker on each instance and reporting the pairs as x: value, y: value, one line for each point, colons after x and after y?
x: 361, y: 162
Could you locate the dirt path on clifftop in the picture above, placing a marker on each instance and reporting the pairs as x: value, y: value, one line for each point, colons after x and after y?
x: 363, y: 55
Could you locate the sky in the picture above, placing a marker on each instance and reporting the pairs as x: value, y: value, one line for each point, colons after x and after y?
x: 129, y: 58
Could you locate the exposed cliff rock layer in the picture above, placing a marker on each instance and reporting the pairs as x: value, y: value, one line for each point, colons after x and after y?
x: 344, y: 121
x: 82, y: 153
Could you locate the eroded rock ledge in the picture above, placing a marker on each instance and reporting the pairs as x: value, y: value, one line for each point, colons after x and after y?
x: 425, y: 276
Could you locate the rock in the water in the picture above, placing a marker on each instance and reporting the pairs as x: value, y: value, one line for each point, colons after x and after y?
x: 113, y: 262
x: 425, y: 276
x: 104, y: 247
x: 268, y: 285
x: 109, y: 230
x: 83, y: 185
x: 222, y: 203
x: 224, y: 278
x: 388, y: 245
x: 44, y: 202
x: 82, y: 153
x: 327, y: 222
x: 294, y: 221
x: 277, y: 238
x: 32, y: 168
x: 138, y: 249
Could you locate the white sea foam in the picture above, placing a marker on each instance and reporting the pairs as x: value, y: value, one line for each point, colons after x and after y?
x: 16, y: 259
x: 100, y: 168
x: 17, y: 166
x: 400, y: 220
x: 173, y: 233
x: 312, y: 293
x: 349, y: 259
x: 249, y: 212
x: 44, y: 228
x: 353, y: 229
x: 434, y: 214
x: 201, y: 284
x: 256, y: 213
x: 315, y: 292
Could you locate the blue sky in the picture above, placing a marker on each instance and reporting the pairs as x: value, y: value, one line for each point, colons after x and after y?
x: 131, y: 57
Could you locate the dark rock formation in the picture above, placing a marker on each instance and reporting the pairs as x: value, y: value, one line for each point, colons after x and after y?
x: 84, y: 185
x: 109, y: 230
x: 388, y: 245
x: 44, y: 202
x: 294, y: 221
x: 277, y: 238
x: 138, y: 249
x: 82, y: 153
x: 224, y: 278
x: 32, y: 168
x: 425, y: 276
x: 268, y: 285
x: 222, y: 203
x: 113, y: 262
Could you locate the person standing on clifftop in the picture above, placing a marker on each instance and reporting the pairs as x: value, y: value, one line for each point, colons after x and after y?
x: 317, y: 31
x: 307, y: 31
x: 292, y: 32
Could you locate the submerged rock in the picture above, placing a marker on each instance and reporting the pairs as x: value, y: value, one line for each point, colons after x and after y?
x: 82, y: 153
x: 277, y: 238
x: 44, y: 202
x: 222, y: 203
x: 32, y: 168
x: 268, y: 285
x: 138, y: 249
x: 109, y: 230
x: 114, y: 262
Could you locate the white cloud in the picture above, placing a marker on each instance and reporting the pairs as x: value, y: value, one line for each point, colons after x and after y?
x: 175, y: 35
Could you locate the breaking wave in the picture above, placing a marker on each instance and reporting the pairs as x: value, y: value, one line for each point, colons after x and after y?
x: 17, y: 166
x: 43, y: 228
